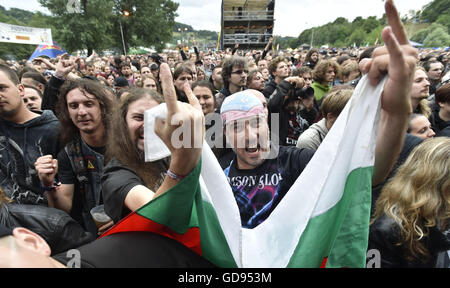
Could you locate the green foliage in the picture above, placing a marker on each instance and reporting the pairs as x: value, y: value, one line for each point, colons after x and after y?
x: 437, y: 38
x: 370, y: 24
x: 98, y: 26
x: 342, y: 33
x: 435, y: 35
x: 433, y: 10
x: 89, y: 29
x: 444, y: 19
x: 23, y: 15
x: 148, y: 31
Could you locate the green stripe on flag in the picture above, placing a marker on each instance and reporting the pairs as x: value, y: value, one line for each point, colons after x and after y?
x: 341, y: 221
x: 174, y: 208
x: 214, y: 244
x: 181, y: 208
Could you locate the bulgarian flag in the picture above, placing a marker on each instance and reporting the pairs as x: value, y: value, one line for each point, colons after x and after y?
x: 323, y: 220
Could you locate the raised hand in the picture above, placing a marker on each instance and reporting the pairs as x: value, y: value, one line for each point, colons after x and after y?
x: 46, y: 167
x: 183, y: 130
x: 397, y: 59
x: 64, y: 66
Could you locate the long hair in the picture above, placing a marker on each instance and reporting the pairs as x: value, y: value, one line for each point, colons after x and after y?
x: 68, y: 128
x: 418, y: 196
x: 4, y: 198
x: 424, y: 107
x: 121, y: 147
x: 321, y: 69
x: 309, y: 54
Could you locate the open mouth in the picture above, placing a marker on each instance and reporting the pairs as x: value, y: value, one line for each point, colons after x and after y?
x: 253, y: 149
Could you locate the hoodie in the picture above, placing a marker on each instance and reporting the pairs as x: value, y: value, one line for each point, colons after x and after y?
x: 312, y: 137
x: 20, y: 146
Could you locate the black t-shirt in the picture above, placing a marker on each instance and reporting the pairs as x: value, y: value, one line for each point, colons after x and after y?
x: 296, y: 126
x: 117, y: 180
x: 93, y: 160
x: 135, y: 250
x: 258, y: 191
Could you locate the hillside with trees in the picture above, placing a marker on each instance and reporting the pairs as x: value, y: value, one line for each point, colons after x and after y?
x: 429, y: 26
x: 97, y: 26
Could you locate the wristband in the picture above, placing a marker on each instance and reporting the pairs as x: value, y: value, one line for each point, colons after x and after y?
x: 174, y: 176
x: 59, y: 76
x: 50, y: 188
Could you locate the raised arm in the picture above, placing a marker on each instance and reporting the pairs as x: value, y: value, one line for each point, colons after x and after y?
x: 397, y: 59
x: 184, y: 159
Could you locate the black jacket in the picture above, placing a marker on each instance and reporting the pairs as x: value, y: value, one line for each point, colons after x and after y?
x: 51, y: 94
x: 57, y: 228
x: 276, y: 104
x: 269, y: 89
x: 385, y: 234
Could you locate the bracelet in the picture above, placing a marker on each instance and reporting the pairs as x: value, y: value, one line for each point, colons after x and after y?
x: 50, y: 188
x: 59, y: 76
x: 174, y: 176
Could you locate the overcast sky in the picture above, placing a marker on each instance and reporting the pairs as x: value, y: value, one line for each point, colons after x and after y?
x: 291, y: 16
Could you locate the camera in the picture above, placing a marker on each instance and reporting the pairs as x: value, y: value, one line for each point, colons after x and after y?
x: 158, y: 59
x: 302, y: 93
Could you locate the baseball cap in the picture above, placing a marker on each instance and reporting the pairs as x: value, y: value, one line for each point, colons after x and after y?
x: 4, y: 231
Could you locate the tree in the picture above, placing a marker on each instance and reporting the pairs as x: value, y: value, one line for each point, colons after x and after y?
x: 444, y: 20
x: 90, y: 29
x: 434, y: 35
x: 437, y: 38
x: 358, y: 37
x: 433, y: 10
x: 150, y: 23
x: 370, y: 24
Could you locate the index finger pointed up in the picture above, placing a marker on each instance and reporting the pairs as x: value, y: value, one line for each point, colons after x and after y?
x: 394, y: 21
x: 170, y: 96
x: 191, y: 97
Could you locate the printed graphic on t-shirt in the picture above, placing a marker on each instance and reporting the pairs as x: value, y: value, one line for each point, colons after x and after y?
x: 255, y: 193
x: 296, y: 127
x: 17, y: 173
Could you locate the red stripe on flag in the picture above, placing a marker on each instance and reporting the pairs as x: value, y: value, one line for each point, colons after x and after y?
x: 324, y: 262
x: 136, y: 223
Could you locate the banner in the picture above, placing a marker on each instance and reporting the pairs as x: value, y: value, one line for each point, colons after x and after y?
x: 25, y: 35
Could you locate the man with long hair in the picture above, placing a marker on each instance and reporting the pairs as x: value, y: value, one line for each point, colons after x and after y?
x: 84, y: 108
x: 128, y: 181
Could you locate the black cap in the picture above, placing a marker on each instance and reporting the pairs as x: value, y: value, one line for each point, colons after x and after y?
x: 4, y: 231
x: 121, y: 82
x: 154, y: 67
x: 307, y: 93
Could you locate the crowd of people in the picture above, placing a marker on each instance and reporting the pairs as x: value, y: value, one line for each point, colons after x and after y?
x: 72, y: 138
